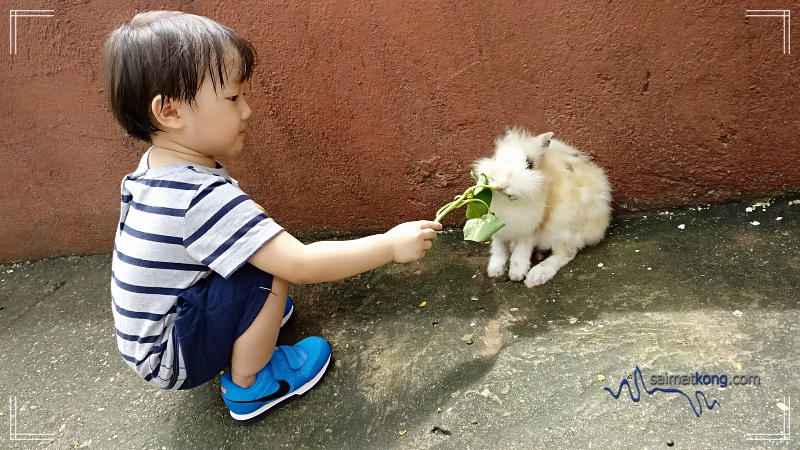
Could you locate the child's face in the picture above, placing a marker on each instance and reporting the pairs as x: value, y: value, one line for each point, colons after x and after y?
x: 215, y: 124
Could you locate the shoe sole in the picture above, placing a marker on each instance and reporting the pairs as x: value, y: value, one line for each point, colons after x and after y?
x: 260, y: 413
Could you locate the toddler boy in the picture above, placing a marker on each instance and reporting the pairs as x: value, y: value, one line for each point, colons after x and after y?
x: 200, y: 273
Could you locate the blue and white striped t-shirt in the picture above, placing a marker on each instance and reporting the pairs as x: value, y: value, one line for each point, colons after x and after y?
x: 177, y: 224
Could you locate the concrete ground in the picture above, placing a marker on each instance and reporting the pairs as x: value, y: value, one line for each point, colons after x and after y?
x: 484, y: 364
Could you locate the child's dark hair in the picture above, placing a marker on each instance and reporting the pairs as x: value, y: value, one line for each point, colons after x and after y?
x: 167, y: 53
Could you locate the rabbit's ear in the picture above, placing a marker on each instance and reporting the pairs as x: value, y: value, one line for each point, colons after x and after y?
x: 536, y: 147
x: 544, y: 139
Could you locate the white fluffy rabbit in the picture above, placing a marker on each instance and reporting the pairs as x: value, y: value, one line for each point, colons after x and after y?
x: 563, y: 203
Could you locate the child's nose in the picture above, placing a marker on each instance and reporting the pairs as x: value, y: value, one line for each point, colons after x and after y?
x: 245, y: 109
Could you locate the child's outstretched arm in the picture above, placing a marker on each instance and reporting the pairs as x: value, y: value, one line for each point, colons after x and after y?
x: 286, y: 257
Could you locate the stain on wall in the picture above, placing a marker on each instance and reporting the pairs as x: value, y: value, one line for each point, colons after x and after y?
x: 369, y: 113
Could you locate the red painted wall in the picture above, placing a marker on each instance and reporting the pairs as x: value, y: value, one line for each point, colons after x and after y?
x: 368, y: 113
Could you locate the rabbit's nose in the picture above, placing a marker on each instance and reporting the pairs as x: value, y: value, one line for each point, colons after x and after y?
x: 502, y: 185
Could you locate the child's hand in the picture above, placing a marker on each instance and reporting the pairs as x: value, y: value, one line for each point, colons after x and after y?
x: 410, y: 240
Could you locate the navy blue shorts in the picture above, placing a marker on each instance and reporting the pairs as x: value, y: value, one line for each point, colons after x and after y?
x: 212, y: 314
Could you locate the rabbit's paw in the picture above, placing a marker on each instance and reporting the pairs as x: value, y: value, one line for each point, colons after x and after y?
x: 496, y: 268
x: 518, y: 270
x: 539, y: 275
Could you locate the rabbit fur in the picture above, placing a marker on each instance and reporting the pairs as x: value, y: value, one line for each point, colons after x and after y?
x: 562, y: 203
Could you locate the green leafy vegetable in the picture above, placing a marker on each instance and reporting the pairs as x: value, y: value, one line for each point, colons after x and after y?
x: 481, y: 223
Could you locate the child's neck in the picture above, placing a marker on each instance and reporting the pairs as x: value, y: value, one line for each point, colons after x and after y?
x: 160, y: 157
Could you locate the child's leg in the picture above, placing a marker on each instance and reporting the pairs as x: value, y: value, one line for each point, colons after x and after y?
x: 253, y: 349
x: 262, y: 375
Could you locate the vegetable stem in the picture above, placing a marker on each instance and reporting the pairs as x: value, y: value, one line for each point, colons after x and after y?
x: 481, y: 223
x: 462, y: 200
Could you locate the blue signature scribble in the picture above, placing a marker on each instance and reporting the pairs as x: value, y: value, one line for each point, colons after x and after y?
x: 637, y: 376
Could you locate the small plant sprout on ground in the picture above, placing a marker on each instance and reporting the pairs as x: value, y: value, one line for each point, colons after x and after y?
x: 481, y: 223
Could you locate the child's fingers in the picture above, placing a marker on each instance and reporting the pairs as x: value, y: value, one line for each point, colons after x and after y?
x: 429, y: 224
x: 428, y: 234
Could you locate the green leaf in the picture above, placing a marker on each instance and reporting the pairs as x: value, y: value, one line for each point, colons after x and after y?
x: 482, y: 228
x: 482, y: 180
x: 478, y: 209
x: 482, y: 223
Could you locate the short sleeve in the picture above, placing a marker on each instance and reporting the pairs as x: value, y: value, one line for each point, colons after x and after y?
x: 223, y: 228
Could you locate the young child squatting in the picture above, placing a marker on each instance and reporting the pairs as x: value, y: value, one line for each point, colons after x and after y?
x: 200, y: 273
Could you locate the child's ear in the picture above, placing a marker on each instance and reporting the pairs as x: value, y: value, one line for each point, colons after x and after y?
x: 167, y: 112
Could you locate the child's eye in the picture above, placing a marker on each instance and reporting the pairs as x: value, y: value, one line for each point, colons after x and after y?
x: 233, y: 99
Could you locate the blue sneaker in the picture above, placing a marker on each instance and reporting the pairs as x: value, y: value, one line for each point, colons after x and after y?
x: 291, y: 371
x: 288, y: 311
